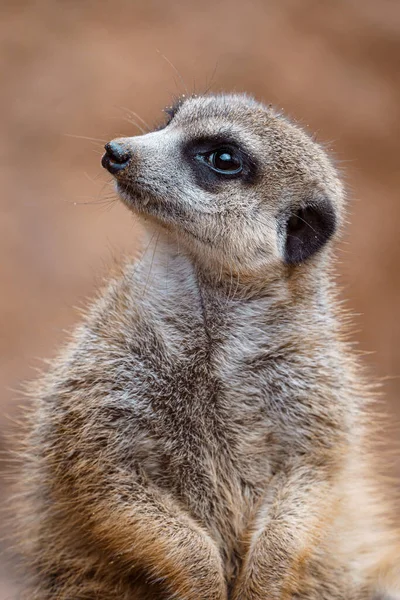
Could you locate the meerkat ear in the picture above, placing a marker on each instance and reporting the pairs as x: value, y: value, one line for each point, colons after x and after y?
x: 307, y: 231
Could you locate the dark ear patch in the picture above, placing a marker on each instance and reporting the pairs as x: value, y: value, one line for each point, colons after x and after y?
x: 308, y: 230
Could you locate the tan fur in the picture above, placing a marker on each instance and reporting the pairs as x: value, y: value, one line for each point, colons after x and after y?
x: 204, y: 435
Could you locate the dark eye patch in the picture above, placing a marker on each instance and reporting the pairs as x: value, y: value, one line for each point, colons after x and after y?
x: 209, y: 179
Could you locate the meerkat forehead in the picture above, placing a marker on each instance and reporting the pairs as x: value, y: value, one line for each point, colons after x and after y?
x: 231, y: 107
x: 271, y: 135
x: 238, y: 115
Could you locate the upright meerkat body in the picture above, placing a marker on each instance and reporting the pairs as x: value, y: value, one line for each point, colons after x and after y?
x: 203, y: 436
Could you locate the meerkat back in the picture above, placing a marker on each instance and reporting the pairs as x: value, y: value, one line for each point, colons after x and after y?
x: 204, y: 434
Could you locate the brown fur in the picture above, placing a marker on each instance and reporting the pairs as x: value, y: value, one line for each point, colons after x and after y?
x: 204, y: 434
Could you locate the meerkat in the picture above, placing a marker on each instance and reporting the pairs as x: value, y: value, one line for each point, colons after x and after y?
x: 204, y: 435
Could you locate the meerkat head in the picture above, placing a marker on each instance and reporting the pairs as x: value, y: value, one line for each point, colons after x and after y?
x: 241, y: 186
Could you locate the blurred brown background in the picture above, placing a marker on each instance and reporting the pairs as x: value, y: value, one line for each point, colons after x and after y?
x: 76, y: 68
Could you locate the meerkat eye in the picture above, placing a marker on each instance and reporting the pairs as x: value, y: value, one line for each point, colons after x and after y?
x: 224, y: 160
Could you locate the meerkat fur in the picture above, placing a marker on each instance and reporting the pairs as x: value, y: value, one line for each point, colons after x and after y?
x: 205, y: 433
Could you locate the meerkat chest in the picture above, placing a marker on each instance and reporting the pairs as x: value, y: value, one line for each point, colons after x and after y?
x: 204, y: 431
x: 208, y: 422
x: 199, y: 442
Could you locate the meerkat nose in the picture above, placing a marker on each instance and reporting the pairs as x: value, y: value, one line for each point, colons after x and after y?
x: 116, y: 157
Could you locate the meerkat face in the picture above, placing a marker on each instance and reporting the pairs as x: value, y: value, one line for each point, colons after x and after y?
x: 236, y: 181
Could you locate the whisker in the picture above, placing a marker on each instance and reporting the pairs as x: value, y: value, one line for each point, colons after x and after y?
x: 143, y: 254
x: 211, y: 80
x: 84, y: 137
x: 93, y: 202
x: 131, y: 112
x: 93, y: 179
x: 133, y: 122
x: 176, y: 71
x: 309, y: 225
x: 151, y: 265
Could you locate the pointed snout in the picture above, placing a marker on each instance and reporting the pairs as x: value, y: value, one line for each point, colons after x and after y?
x: 117, y: 157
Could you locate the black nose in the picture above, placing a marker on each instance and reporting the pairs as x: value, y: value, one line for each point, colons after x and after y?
x: 116, y: 158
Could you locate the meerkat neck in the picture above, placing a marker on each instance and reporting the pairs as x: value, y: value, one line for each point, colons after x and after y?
x: 302, y: 297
